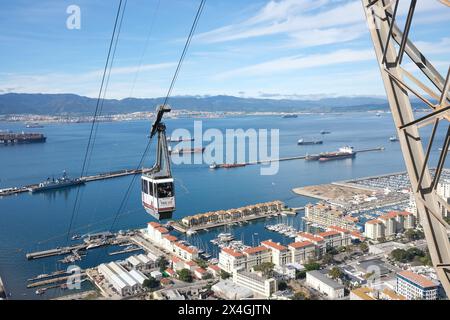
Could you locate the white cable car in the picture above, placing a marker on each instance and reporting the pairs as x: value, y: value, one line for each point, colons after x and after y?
x: 158, y: 195
x: 158, y: 191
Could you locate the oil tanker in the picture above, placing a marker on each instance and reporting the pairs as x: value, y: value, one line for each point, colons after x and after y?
x: 9, y: 138
x: 343, y: 153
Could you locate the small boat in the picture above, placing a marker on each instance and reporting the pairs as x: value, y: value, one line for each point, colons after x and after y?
x: 393, y: 138
x: 76, y: 237
x: 191, y: 232
x: 40, y: 292
x: 290, y: 116
x: 325, y: 132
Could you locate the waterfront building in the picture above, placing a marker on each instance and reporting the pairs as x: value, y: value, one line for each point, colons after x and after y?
x: 256, y: 256
x: 231, y: 215
x: 335, y: 239
x: 319, y: 242
x: 123, y: 281
x: 322, y: 283
x: 389, y: 223
x: 280, y: 254
x: 415, y: 286
x: 374, y: 229
x: 140, y: 262
x: 261, y: 286
x: 185, y: 252
x: 302, y: 251
x: 326, y: 215
x: 214, y: 270
x: 231, y: 260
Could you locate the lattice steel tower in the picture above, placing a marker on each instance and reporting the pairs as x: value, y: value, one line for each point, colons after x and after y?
x: 391, y: 44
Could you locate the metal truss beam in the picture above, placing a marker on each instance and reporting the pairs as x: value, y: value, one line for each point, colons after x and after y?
x: 391, y: 44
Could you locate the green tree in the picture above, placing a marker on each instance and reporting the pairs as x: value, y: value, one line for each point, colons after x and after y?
x: 151, y: 283
x: 300, y: 274
x: 184, y: 275
x: 224, y: 275
x: 201, y: 263
x: 266, y: 268
x: 328, y: 258
x: 282, y: 285
x: 363, y: 246
x: 312, y: 266
x: 162, y: 263
x: 335, y: 273
x: 299, y: 296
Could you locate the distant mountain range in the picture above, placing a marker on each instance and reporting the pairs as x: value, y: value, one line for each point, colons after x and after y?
x: 71, y: 104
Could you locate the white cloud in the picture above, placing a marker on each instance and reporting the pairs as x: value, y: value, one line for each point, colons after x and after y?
x: 292, y: 63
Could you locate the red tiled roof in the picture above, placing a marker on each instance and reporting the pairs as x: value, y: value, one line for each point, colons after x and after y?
x: 162, y: 230
x: 310, y: 237
x: 255, y: 250
x: 200, y: 270
x: 154, y: 224
x: 356, y: 234
x: 232, y: 252
x: 176, y: 259
x: 171, y: 238
x: 300, y: 244
x: 214, y: 267
x: 339, y: 229
x: 190, y: 263
x: 375, y: 221
x: 185, y: 248
x: 417, y: 279
x: 405, y: 213
x: 328, y: 234
x: 170, y: 271
x: 270, y: 243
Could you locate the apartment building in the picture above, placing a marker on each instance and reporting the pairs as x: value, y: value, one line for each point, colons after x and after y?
x: 414, y: 286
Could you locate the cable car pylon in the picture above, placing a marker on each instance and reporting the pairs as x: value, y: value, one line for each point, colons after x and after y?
x: 391, y: 45
x: 158, y: 192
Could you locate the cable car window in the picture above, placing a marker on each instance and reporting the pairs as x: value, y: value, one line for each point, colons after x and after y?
x: 144, y: 186
x: 165, y: 190
x: 150, y: 188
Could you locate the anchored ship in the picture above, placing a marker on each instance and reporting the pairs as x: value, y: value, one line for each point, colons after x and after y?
x: 226, y: 166
x: 21, y: 138
x: 52, y: 184
x: 187, y: 151
x: 343, y: 153
x: 289, y: 116
x: 303, y: 142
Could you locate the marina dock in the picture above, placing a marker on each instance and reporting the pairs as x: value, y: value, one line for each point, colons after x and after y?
x: 55, y: 252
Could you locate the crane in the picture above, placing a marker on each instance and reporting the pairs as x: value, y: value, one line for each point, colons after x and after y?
x: 157, y: 185
x: 391, y: 44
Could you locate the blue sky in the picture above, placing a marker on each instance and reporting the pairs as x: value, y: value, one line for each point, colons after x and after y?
x: 257, y: 48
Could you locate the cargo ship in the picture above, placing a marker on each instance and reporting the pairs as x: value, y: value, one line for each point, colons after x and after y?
x: 21, y: 138
x: 343, y: 153
x: 303, y: 142
x: 187, y: 151
x: 226, y: 166
x: 60, y: 183
x: 34, y: 126
x: 290, y: 116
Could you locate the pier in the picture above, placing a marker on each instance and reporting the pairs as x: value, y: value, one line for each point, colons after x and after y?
x: 97, y: 177
x: 301, y: 157
x: 55, y: 252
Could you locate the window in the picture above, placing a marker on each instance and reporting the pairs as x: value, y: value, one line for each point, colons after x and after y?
x: 144, y: 186
x: 165, y: 190
x: 150, y: 188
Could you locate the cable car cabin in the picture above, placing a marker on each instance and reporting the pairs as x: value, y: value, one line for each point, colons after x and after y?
x: 158, y: 196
